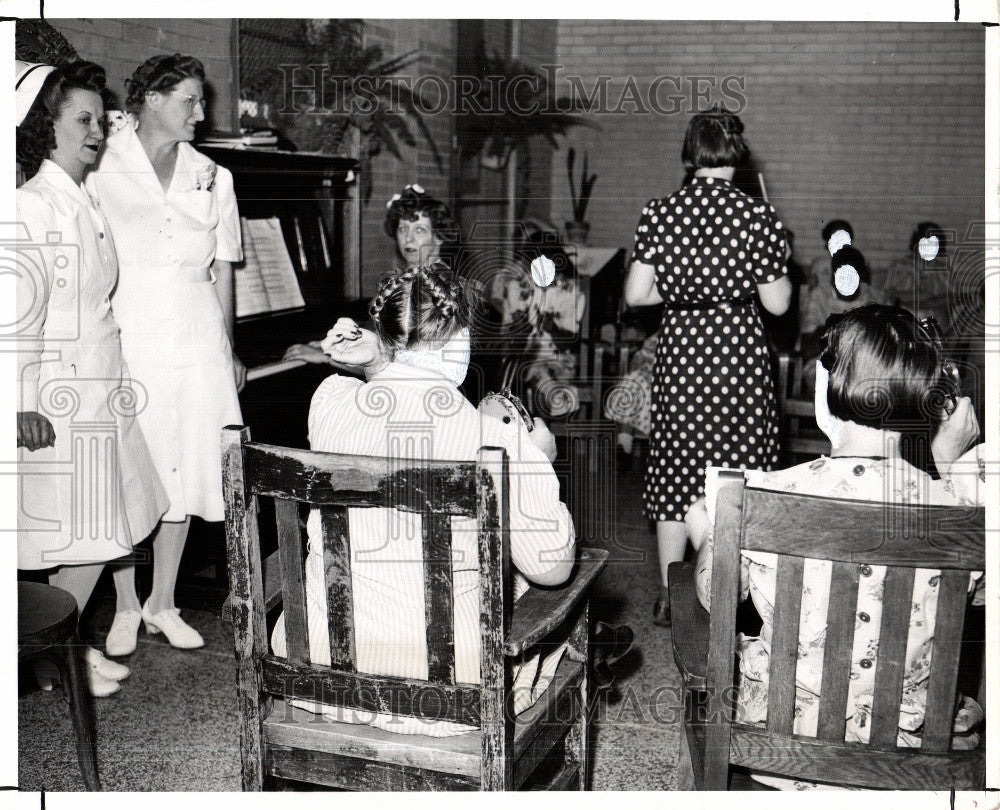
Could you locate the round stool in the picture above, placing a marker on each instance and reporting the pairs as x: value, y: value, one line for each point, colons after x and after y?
x: 46, y: 629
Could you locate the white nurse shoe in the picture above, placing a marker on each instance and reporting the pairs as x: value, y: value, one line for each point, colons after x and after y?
x: 122, y: 635
x: 169, y: 622
x: 106, y: 669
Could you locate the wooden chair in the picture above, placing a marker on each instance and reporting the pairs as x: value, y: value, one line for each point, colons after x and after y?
x: 46, y: 630
x: 279, y: 741
x: 797, y: 413
x: 853, y: 535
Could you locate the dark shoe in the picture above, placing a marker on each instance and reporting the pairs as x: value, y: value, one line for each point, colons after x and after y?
x: 610, y: 644
x: 661, y: 609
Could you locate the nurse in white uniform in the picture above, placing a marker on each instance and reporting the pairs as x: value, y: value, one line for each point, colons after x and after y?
x: 176, y: 226
x: 87, y: 484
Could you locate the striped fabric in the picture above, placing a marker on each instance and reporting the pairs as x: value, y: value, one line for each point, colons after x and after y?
x: 409, y: 413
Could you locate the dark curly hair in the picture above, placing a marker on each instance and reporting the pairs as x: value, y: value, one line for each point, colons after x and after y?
x: 160, y: 74
x: 714, y: 139
x: 835, y: 225
x: 411, y: 204
x: 36, y: 136
x: 855, y: 258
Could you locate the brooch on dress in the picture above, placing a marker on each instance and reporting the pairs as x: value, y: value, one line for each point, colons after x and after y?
x: 205, y: 178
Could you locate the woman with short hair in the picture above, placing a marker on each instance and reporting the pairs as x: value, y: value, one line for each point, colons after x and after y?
x: 88, y: 487
x: 707, y: 252
x: 174, y: 217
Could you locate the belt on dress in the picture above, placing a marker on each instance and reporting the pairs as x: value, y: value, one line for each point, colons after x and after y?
x: 708, y: 305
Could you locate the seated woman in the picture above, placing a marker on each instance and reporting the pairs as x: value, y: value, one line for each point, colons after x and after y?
x: 919, y: 279
x: 541, y: 305
x: 425, y: 232
x: 871, y: 350
x: 824, y: 293
x: 411, y: 406
x: 422, y: 227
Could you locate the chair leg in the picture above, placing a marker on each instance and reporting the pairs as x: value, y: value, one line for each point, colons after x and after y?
x: 576, y: 743
x: 81, y: 709
x: 685, y: 765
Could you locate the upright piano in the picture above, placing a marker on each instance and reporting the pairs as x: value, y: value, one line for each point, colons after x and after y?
x: 314, y: 197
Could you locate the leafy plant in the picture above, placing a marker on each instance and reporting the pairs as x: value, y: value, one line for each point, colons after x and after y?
x: 587, y: 181
x: 37, y: 41
x: 358, y: 96
x: 514, y: 102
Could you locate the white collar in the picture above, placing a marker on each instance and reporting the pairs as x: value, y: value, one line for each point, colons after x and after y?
x: 55, y: 175
x: 126, y: 145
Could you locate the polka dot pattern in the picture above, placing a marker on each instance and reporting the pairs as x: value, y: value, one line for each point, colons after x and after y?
x: 712, y: 396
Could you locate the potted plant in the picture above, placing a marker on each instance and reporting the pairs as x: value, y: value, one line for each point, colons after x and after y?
x: 370, y: 113
x: 515, y: 103
x: 578, y: 228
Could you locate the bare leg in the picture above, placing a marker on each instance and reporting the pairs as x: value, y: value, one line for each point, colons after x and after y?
x: 78, y: 581
x: 168, y: 546
x: 671, y: 540
x: 127, y: 599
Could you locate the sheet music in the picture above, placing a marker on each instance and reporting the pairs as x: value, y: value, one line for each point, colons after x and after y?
x: 266, y: 281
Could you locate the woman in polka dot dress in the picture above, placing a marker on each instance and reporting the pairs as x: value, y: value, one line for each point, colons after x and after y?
x: 707, y: 252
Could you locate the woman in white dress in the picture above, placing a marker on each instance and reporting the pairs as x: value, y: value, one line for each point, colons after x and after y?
x: 88, y: 487
x: 176, y: 226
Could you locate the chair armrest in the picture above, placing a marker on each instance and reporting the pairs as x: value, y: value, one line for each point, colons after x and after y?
x: 272, y: 588
x: 540, y: 610
x: 689, y: 621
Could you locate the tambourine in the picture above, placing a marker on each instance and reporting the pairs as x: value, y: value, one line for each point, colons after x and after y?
x: 506, y: 407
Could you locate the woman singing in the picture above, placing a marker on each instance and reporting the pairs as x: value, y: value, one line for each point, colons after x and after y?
x: 88, y: 487
x: 174, y: 218
x: 707, y: 252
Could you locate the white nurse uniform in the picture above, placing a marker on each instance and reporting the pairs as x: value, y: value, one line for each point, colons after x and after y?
x: 173, y: 331
x: 96, y: 491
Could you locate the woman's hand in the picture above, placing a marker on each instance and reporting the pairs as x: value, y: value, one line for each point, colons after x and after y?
x: 351, y: 347
x: 307, y: 352
x: 956, y: 433
x: 543, y: 439
x: 34, y: 431
x: 239, y: 373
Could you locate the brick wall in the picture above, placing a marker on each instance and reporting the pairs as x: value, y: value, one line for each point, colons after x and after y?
x: 881, y: 124
x: 435, y: 40
x: 538, y: 47
x: 120, y: 46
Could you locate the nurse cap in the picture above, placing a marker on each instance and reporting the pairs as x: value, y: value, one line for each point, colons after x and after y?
x: 29, y: 80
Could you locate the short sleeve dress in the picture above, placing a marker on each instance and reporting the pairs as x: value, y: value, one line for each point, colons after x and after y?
x: 173, y: 331
x: 712, y: 395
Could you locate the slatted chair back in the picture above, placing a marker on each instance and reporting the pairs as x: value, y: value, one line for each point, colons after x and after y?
x: 796, y: 412
x: 334, y: 483
x: 853, y: 536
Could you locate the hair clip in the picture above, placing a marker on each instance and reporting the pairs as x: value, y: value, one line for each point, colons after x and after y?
x: 393, y: 199
x: 414, y: 187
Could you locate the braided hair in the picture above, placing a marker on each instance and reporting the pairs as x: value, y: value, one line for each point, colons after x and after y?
x: 714, y: 139
x: 418, y: 305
